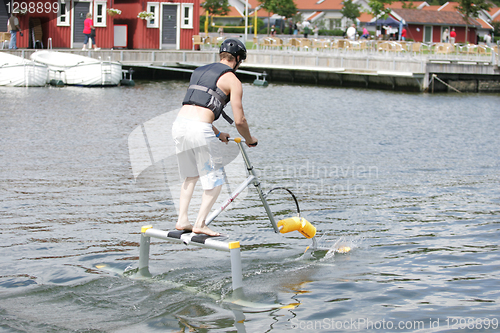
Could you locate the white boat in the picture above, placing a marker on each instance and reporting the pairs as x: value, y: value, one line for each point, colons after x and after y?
x: 18, y: 72
x: 77, y: 70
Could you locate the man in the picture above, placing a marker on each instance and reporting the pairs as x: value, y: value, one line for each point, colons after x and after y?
x: 351, y: 32
x: 403, y: 34
x: 453, y: 35
x: 197, y: 141
x: 307, y: 28
x: 446, y: 36
x: 487, y: 39
x: 13, y: 27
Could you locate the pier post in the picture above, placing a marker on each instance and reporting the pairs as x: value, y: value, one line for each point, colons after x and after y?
x: 144, y: 252
x: 236, y: 271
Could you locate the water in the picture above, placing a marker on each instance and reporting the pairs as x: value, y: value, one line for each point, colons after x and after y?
x: 409, y: 181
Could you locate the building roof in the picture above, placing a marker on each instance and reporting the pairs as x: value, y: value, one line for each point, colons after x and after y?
x: 316, y: 5
x: 449, y: 7
x: 400, y: 4
x: 314, y: 16
x: 433, y: 8
x: 494, y: 12
x: 416, y: 16
x: 365, y: 17
x: 484, y: 24
x: 233, y: 12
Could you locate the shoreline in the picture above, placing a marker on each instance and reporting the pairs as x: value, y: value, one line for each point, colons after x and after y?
x: 372, y: 70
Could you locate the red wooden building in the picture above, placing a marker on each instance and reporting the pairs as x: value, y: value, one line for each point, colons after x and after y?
x: 428, y: 26
x: 172, y: 25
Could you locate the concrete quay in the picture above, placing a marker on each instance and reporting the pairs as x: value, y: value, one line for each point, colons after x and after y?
x: 408, y: 72
x: 376, y: 70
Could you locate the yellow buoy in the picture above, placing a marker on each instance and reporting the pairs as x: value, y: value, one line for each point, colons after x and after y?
x: 297, y: 223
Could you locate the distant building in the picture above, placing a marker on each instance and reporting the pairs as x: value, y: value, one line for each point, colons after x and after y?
x: 172, y: 25
x: 428, y: 26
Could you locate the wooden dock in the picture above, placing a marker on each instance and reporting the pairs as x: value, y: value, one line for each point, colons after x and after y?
x: 377, y: 70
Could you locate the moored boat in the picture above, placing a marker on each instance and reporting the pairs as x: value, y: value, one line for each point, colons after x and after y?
x: 77, y: 70
x: 18, y: 72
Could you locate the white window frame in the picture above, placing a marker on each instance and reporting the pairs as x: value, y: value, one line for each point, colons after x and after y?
x: 66, y: 13
x: 103, y: 15
x: 153, y: 7
x: 188, y: 18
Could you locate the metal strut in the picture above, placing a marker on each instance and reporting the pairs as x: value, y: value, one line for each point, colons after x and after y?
x: 256, y: 183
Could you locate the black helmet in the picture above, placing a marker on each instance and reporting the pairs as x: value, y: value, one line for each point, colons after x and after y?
x: 234, y: 47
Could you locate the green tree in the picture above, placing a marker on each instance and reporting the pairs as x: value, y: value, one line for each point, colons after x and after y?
x: 285, y: 8
x: 496, y: 26
x: 350, y: 10
x: 470, y: 9
x: 409, y: 5
x: 216, y: 7
x: 378, y: 9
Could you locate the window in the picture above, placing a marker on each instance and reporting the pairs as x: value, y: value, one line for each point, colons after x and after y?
x: 335, y: 23
x: 427, y: 34
x: 153, y: 7
x: 99, y: 16
x: 187, y: 16
x: 63, y: 14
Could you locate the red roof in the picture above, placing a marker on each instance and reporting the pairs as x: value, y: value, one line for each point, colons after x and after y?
x: 365, y: 17
x: 484, y: 24
x: 252, y: 4
x: 400, y: 4
x: 434, y: 8
x: 316, y: 5
x: 494, y: 11
x: 449, y: 7
x: 416, y: 16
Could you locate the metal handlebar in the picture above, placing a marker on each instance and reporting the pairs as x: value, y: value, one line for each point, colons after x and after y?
x: 238, y: 140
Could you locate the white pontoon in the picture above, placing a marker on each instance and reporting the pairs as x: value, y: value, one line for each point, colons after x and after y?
x: 77, y: 70
x: 18, y: 72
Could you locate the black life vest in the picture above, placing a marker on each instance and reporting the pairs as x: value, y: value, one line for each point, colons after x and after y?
x: 203, y: 90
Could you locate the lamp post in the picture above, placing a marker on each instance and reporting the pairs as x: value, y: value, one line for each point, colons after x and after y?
x: 246, y: 21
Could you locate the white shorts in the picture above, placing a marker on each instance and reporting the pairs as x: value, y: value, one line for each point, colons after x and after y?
x: 199, y: 152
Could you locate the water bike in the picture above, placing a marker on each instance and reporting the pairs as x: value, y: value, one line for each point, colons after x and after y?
x: 287, y: 225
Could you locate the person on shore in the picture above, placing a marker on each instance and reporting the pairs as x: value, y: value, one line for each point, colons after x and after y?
x: 14, y: 28
x: 446, y: 36
x: 487, y: 39
x: 316, y: 32
x: 351, y: 32
x: 453, y: 36
x: 403, y: 34
x: 89, y: 32
x: 196, y: 139
x: 307, y: 28
x: 365, y: 34
x: 273, y: 30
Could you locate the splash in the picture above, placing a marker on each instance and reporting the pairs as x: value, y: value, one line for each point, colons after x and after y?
x: 342, y: 245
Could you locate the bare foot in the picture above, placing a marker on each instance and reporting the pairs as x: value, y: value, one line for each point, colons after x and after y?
x: 205, y: 230
x: 183, y: 226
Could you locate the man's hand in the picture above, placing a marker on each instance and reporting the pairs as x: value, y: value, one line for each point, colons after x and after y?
x: 224, y: 137
x: 253, y: 143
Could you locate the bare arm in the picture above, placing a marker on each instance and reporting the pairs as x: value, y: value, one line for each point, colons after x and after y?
x: 240, y: 121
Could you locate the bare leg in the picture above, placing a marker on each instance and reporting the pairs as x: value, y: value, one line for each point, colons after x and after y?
x: 208, y: 199
x: 187, y: 190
